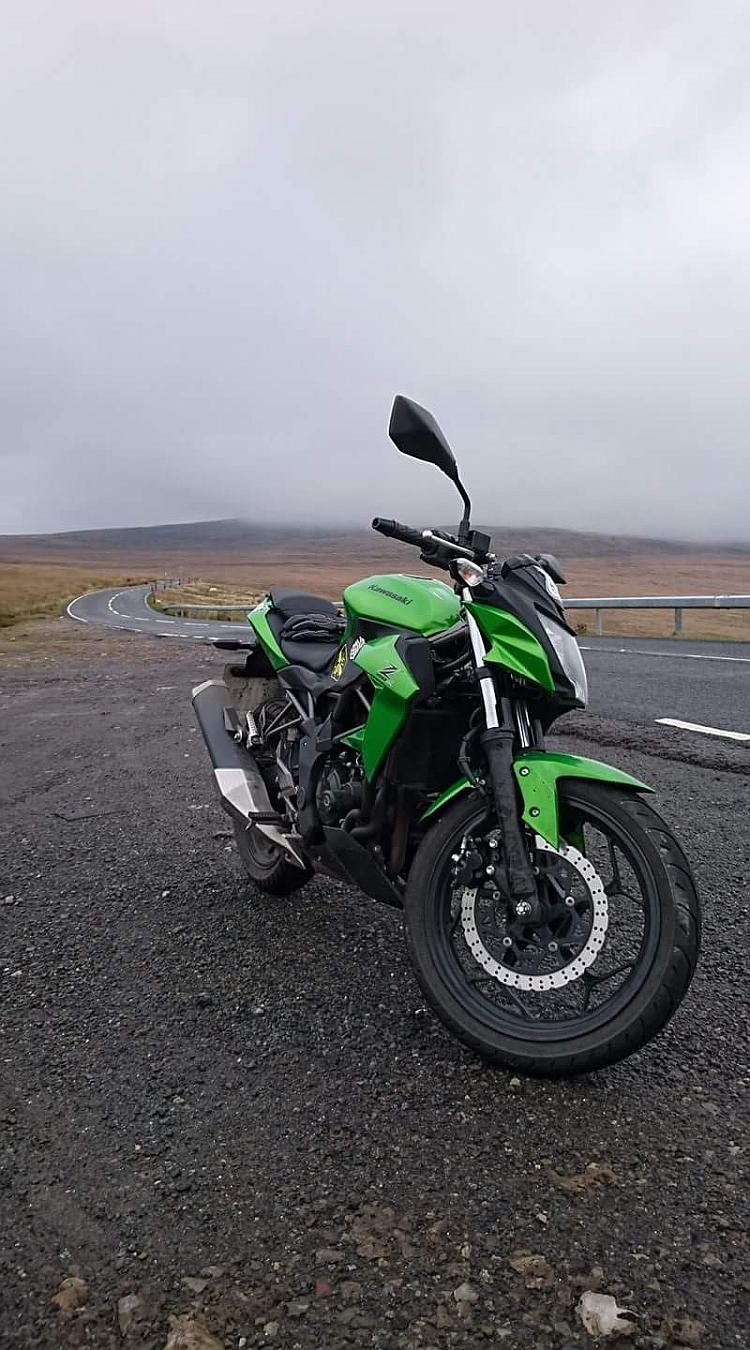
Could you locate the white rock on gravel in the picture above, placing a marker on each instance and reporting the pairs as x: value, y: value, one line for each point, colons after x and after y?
x: 601, y: 1316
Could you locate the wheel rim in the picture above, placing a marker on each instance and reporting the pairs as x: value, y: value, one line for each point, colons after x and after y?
x: 488, y: 966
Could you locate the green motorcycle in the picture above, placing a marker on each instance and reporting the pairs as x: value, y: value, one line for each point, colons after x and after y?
x: 398, y: 744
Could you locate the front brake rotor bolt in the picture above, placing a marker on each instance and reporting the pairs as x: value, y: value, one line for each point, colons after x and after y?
x: 570, y: 901
x: 496, y: 895
x: 523, y: 909
x: 507, y: 942
x: 551, y: 946
x: 489, y: 870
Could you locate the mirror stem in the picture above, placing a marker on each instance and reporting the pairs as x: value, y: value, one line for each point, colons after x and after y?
x: 463, y: 529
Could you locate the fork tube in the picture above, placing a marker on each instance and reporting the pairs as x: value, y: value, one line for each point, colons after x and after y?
x: 523, y: 724
x: 486, y: 683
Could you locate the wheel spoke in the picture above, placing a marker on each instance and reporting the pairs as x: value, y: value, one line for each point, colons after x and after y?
x: 614, y: 885
x: 476, y: 980
x: 589, y: 981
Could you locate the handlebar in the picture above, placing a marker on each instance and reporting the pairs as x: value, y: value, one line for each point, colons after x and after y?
x: 393, y: 529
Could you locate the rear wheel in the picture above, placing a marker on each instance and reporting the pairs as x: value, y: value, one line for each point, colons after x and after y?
x: 602, y: 970
x: 266, y: 865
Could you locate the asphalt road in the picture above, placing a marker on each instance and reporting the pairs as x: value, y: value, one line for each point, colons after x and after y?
x: 238, y: 1110
x: 637, y: 680
x: 130, y: 611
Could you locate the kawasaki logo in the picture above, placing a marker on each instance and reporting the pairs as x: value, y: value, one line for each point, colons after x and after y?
x: 402, y: 599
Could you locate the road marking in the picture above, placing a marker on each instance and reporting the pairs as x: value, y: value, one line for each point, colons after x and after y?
x: 111, y: 603
x: 673, y: 656
x: 707, y: 731
x: 79, y: 617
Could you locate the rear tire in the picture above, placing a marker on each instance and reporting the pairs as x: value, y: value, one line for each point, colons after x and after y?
x: 591, y: 1039
x: 265, y: 865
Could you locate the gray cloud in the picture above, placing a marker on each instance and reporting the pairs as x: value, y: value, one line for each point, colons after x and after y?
x: 229, y: 233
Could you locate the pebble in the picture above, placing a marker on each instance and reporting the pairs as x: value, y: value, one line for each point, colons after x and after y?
x: 128, y: 1309
x: 72, y: 1293
x: 195, y: 1286
x: 328, y: 1256
x: 466, y: 1293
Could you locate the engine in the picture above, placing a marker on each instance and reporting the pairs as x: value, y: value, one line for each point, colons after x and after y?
x: 340, y: 788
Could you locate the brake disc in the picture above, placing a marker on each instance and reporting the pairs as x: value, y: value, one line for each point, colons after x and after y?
x: 574, y: 969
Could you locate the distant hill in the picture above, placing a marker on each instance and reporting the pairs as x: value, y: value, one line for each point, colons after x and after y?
x: 144, y: 545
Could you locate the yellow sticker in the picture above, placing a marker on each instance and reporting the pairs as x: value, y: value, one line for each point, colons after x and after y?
x: 339, y: 664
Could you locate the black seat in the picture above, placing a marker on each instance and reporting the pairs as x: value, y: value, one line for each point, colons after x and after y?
x: 315, y: 654
x: 288, y: 603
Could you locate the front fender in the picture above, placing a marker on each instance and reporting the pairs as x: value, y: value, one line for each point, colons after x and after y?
x: 537, y: 774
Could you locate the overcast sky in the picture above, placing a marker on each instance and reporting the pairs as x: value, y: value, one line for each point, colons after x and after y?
x: 231, y: 231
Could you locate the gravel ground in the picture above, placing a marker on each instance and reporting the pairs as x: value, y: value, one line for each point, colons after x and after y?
x: 235, y: 1114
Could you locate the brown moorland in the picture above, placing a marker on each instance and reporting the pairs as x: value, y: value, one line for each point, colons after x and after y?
x: 40, y: 574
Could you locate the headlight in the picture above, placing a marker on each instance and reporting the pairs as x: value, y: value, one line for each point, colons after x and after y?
x: 569, y: 656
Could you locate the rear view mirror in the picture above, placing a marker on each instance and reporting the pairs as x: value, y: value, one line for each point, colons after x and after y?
x: 416, y: 433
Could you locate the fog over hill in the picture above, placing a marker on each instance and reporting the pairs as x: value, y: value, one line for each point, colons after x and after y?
x: 203, y: 539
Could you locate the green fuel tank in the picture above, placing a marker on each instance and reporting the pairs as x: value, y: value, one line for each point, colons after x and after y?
x: 423, y: 604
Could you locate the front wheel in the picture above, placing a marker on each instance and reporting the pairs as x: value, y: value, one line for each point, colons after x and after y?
x: 604, y: 967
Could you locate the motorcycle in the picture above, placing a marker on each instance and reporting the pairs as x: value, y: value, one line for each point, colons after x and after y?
x: 398, y: 744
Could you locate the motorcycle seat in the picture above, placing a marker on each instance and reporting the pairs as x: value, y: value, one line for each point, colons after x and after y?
x: 294, y: 616
x: 315, y: 656
x: 288, y: 603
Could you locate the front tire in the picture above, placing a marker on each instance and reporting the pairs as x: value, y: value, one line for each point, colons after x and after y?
x: 266, y: 865
x: 482, y: 999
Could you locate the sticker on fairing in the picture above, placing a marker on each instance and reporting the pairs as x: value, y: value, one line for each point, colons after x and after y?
x: 339, y: 664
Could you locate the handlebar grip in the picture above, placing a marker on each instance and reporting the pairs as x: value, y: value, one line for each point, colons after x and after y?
x: 393, y: 529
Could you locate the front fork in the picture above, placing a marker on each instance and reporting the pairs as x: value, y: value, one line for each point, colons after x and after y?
x: 502, y: 725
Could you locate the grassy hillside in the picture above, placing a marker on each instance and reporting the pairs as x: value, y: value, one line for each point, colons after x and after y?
x: 39, y: 574
x: 32, y: 590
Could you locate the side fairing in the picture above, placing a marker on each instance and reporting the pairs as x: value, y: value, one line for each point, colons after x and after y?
x: 258, y: 620
x: 512, y: 645
x: 395, y: 688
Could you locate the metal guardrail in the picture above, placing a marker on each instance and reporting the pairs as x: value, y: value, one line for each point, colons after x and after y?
x: 244, y: 609
x: 598, y: 603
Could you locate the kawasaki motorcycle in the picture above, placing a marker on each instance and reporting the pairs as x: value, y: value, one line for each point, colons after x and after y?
x: 399, y: 744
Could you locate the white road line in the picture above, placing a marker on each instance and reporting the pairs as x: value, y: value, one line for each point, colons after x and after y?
x: 671, y: 656
x: 69, y: 611
x: 111, y: 604
x: 707, y: 731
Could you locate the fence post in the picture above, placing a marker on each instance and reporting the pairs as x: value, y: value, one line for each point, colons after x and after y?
x: 599, y: 623
x: 677, y: 621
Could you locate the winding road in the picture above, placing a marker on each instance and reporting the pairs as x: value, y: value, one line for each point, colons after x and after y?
x: 129, y: 609
x: 704, y: 684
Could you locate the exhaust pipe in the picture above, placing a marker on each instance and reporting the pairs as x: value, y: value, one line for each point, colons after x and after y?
x: 241, y: 787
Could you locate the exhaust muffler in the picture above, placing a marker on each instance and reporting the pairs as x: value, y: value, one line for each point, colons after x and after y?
x: 241, y: 787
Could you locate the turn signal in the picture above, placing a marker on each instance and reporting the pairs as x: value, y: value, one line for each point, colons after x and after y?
x: 470, y: 573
